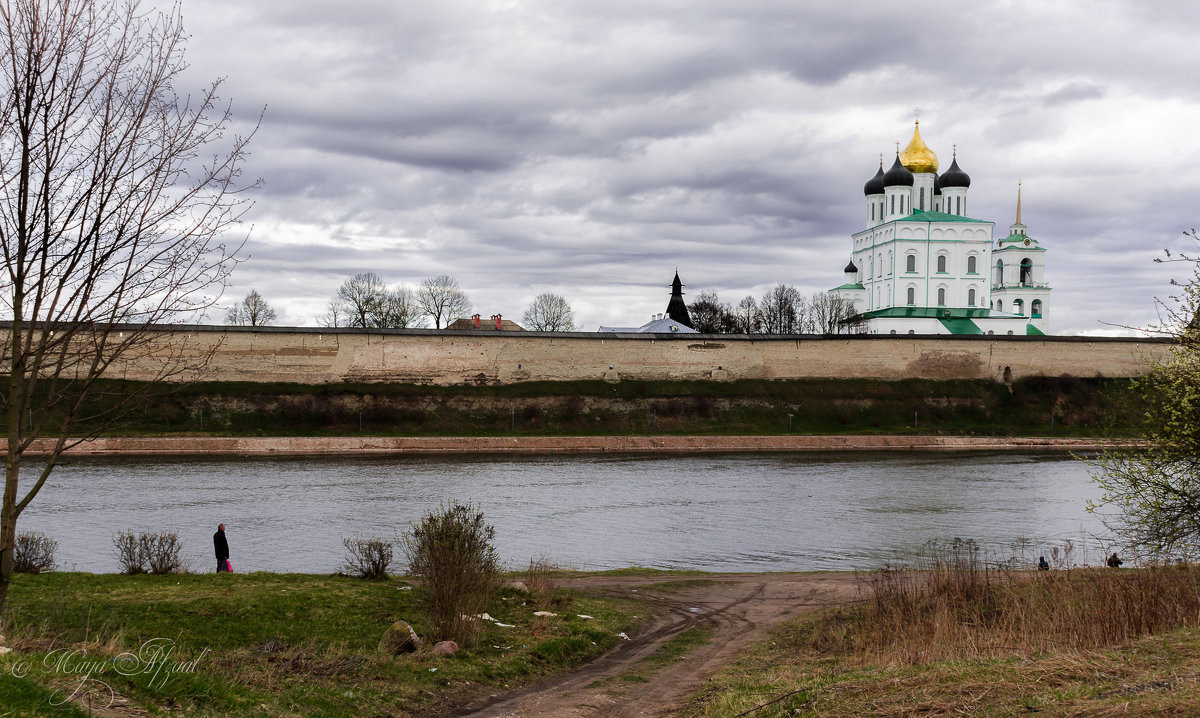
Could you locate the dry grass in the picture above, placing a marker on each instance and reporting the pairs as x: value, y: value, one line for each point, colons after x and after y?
x: 954, y: 606
x: 539, y: 581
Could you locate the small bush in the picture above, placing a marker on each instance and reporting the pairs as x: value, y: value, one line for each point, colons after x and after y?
x: 451, y: 552
x: 162, y: 552
x: 368, y: 558
x: 128, y: 553
x: 34, y: 552
x: 148, y: 552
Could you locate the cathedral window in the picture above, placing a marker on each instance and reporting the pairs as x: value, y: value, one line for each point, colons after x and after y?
x: 910, y: 263
x: 971, y: 264
x: 958, y: 205
x: 893, y: 204
x: 999, y: 305
x: 1026, y: 272
x: 970, y: 297
x: 1035, y: 309
x: 941, y: 264
x: 922, y: 198
x: 912, y: 295
x: 941, y: 296
x: 1018, y: 307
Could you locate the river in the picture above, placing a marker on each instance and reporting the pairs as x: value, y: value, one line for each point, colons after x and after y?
x: 736, y: 512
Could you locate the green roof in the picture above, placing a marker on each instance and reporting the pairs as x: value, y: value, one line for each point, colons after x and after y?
x: 931, y: 216
x: 933, y: 313
x: 1020, y: 239
x: 961, y: 326
x: 1034, y: 331
x: 849, y: 286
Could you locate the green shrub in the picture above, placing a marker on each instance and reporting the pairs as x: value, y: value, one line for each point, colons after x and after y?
x: 450, y: 550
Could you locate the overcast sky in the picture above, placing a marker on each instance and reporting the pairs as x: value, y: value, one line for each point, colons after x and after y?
x: 591, y: 148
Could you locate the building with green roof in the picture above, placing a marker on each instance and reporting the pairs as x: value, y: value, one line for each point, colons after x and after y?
x: 924, y: 266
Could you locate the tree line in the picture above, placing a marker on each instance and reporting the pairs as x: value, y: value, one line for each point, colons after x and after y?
x: 781, y: 310
x: 365, y: 301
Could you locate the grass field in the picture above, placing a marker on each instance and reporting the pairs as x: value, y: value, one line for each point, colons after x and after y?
x: 961, y: 638
x: 1038, y: 406
x: 270, y: 644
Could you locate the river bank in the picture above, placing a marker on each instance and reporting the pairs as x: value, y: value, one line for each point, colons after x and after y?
x: 451, y: 445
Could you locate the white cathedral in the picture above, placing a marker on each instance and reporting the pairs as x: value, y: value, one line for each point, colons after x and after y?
x: 923, y: 266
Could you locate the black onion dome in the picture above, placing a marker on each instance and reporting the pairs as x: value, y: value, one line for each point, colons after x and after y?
x: 850, y: 268
x: 937, y: 185
x: 875, y: 184
x: 898, y: 176
x: 955, y: 177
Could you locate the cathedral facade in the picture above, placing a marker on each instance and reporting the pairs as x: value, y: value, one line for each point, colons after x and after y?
x: 923, y: 265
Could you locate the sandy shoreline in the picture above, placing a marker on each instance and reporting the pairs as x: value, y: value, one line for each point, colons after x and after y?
x: 304, y: 446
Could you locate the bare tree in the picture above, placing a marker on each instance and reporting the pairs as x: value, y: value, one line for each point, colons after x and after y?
x: 252, y: 311
x: 114, y: 195
x: 364, y: 301
x: 710, y: 316
x: 333, y: 316
x: 549, y: 313
x: 361, y: 299
x: 400, y: 309
x: 441, y: 299
x: 782, y: 310
x: 748, y: 320
x: 829, y: 313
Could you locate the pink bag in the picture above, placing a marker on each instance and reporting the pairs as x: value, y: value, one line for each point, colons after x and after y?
x: 228, y: 566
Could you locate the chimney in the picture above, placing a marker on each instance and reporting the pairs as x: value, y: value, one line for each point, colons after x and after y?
x: 476, y: 318
x: 497, y: 318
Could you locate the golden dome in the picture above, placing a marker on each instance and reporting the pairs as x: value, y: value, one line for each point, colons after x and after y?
x: 917, y: 157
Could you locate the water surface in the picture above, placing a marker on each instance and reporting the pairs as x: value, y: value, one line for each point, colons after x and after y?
x: 742, y: 512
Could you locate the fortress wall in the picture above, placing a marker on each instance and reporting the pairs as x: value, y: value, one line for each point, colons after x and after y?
x: 451, y: 357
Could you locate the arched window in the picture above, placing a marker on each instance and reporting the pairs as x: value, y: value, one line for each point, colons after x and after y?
x: 1035, y: 309
x: 910, y: 263
x: 922, y: 198
x: 942, y: 263
x: 892, y: 332
x: 912, y: 331
x: 912, y: 295
x: 1026, y: 272
x: 999, y: 273
x: 970, y: 297
x: 872, y: 210
x: 941, y: 296
x: 879, y: 265
x: 1018, y: 306
x: 893, y: 204
x: 999, y: 305
x: 958, y: 205
x: 971, y: 264
x: 901, y: 204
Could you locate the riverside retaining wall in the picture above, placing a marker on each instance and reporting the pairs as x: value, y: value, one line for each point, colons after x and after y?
x: 318, y: 356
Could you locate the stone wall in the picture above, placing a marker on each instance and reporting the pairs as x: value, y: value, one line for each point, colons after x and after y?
x: 450, y: 357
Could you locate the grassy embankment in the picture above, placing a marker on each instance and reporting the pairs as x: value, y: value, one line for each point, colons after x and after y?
x: 277, y: 644
x: 957, y: 638
x: 1043, y: 406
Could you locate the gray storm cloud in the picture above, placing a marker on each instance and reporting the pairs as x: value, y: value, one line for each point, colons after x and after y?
x: 591, y: 148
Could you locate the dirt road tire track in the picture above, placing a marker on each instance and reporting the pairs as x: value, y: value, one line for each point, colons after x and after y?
x: 739, y: 609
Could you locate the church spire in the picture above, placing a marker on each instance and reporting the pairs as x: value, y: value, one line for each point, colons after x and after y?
x: 676, y: 309
x: 1018, y: 201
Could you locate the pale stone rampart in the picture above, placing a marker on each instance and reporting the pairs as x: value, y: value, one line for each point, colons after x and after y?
x: 486, y: 357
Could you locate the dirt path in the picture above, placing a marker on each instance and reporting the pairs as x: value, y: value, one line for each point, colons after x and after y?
x: 450, y: 445
x: 738, y: 609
